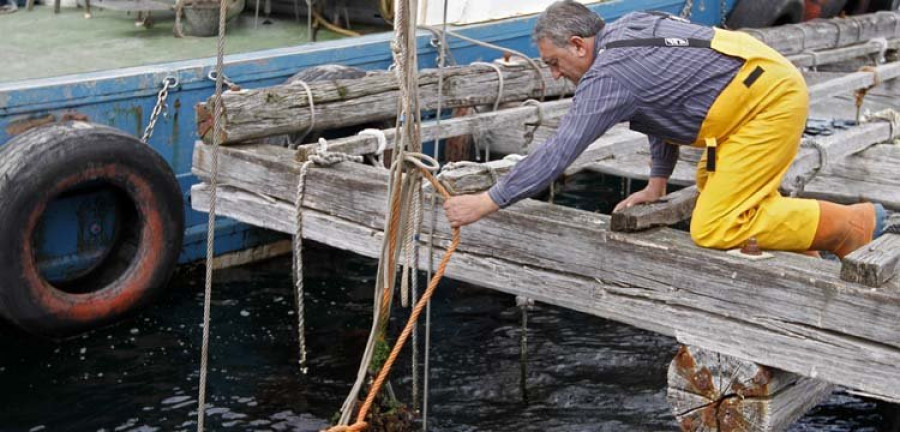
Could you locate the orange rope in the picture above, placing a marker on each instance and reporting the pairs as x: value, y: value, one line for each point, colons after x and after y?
x: 360, y: 424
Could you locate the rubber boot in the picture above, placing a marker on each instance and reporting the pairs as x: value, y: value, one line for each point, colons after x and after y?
x: 843, y: 229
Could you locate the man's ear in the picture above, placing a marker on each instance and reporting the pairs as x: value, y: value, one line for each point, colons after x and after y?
x: 579, y: 44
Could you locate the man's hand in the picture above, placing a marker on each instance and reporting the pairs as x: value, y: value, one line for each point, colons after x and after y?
x: 465, y: 209
x: 655, y: 190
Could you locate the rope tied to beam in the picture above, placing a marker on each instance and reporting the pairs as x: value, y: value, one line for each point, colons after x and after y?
x: 891, y: 116
x: 861, y: 93
x: 321, y: 157
x: 496, y: 68
x: 801, y: 181
x: 312, y: 115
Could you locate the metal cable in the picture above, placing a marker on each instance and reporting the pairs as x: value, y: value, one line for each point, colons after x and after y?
x: 211, y: 221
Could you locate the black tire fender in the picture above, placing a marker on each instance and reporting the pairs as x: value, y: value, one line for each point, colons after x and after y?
x: 44, y: 163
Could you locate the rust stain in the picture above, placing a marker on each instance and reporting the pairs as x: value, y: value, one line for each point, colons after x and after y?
x: 699, y: 381
x: 730, y: 418
x: 20, y: 126
x: 759, y: 387
x: 204, y: 121
x: 74, y: 116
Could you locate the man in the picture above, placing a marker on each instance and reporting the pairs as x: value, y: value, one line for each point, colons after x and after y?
x: 684, y: 84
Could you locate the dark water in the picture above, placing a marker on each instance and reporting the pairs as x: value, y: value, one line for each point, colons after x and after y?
x: 584, y: 373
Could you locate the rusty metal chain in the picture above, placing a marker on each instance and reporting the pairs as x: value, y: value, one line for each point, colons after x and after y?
x: 168, y: 83
x: 687, y: 10
x: 723, y: 12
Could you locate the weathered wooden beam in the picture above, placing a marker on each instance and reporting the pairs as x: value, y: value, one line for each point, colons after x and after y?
x: 831, y: 33
x: 712, y: 392
x: 469, y: 125
x: 792, y: 313
x: 670, y: 210
x: 866, y: 176
x: 826, y: 57
x: 854, y: 81
x: 873, y: 264
x: 282, y: 109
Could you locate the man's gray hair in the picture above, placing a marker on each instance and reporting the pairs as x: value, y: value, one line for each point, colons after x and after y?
x: 564, y: 19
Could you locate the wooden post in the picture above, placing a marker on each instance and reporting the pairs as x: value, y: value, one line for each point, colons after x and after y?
x: 713, y: 392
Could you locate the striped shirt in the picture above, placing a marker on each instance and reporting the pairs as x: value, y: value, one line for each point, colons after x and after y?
x: 663, y: 92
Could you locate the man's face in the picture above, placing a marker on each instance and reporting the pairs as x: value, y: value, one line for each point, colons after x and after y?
x: 571, y: 61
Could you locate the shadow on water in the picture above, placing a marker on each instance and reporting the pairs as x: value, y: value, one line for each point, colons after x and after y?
x: 584, y: 373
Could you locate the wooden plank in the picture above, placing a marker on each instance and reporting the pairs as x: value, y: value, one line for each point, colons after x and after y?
x: 854, y: 81
x: 825, y: 57
x: 874, y: 264
x: 789, y: 313
x: 671, y: 209
x: 709, y: 391
x: 282, y: 109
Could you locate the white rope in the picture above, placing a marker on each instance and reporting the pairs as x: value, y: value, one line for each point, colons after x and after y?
x: 211, y: 220
x: 322, y: 157
x: 529, y: 136
x: 380, y: 137
x: 800, y: 181
x: 312, y: 115
x: 487, y: 146
x: 883, y: 46
x: 519, y: 54
x: 815, y: 60
x: 891, y: 116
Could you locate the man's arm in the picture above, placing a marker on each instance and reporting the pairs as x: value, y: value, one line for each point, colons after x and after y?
x: 600, y: 102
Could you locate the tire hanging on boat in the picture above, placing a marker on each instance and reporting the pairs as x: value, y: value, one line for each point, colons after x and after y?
x: 69, y: 159
x: 765, y: 13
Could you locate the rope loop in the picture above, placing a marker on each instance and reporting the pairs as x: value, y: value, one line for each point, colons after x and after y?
x: 499, y: 77
x: 800, y: 181
x: 422, y: 161
x: 883, y: 46
x: 529, y: 136
x: 379, y: 136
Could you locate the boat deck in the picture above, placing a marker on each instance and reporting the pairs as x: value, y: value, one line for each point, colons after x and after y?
x: 41, y: 44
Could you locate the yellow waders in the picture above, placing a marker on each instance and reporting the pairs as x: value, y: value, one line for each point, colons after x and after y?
x: 753, y: 130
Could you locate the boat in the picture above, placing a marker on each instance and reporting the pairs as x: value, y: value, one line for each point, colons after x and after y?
x: 95, y: 221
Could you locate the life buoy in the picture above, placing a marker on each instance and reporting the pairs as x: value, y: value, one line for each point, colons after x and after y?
x: 765, y: 13
x: 56, y: 162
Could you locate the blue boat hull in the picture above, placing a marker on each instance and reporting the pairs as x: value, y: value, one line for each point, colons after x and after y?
x: 71, y: 239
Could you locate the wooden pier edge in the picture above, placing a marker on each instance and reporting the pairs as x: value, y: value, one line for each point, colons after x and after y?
x: 712, y: 392
x: 793, y: 313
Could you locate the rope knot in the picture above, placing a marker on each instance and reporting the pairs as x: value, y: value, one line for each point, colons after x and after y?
x: 324, y: 157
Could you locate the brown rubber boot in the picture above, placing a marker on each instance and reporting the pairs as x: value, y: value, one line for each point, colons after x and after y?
x: 843, y: 229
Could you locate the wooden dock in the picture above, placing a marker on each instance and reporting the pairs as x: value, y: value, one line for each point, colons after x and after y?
x: 764, y: 340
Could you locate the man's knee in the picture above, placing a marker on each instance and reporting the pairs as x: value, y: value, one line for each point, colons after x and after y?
x: 708, y: 230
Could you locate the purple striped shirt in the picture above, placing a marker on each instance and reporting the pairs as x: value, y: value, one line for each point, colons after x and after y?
x: 663, y: 92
